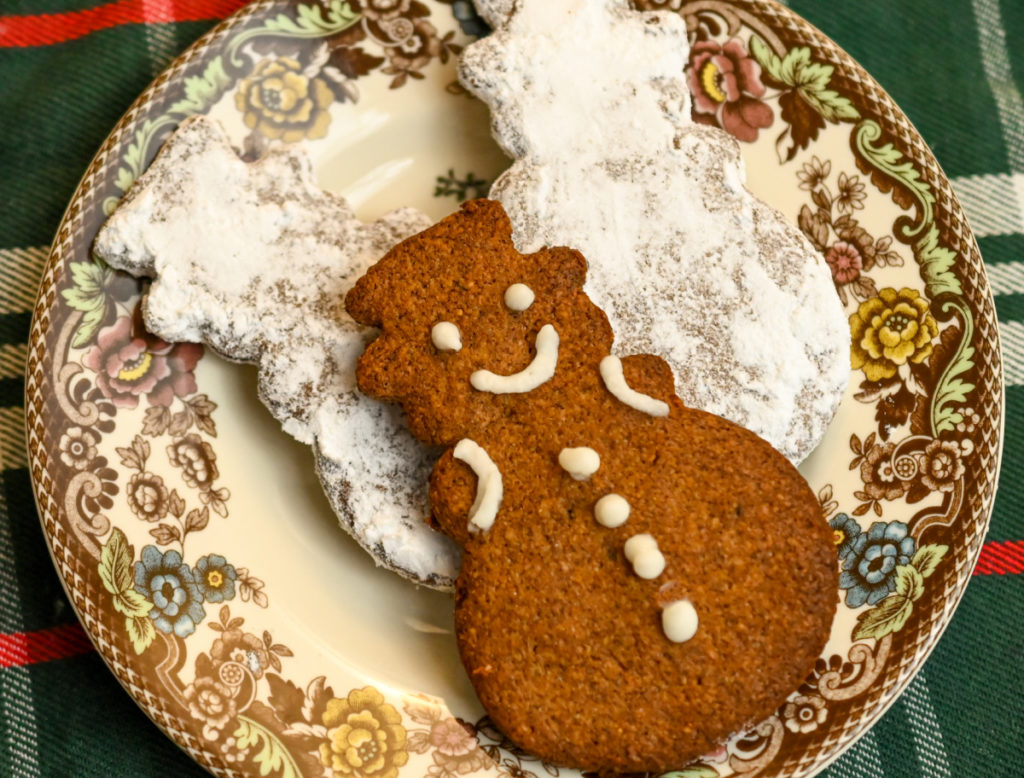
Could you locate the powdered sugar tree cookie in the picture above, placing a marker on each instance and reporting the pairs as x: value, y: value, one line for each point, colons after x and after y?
x: 254, y: 259
x: 685, y: 261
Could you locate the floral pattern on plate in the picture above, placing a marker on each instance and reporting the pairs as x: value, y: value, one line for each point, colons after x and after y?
x: 132, y: 467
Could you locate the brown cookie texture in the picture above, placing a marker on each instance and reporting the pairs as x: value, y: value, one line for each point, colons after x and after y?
x: 562, y: 639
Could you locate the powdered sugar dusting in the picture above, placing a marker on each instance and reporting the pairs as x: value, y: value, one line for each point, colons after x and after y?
x: 686, y: 262
x: 254, y: 259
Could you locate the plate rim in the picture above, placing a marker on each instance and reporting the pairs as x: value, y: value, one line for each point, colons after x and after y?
x: 35, y: 431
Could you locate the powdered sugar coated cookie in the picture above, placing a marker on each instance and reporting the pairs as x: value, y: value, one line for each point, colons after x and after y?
x: 686, y: 262
x: 254, y: 259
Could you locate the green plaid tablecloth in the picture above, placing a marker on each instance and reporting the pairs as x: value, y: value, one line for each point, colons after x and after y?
x: 69, y: 68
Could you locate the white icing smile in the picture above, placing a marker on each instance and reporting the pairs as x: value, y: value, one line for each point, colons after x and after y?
x: 615, y: 381
x: 489, y: 486
x: 541, y: 369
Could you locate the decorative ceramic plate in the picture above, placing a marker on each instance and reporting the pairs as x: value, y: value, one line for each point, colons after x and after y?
x: 282, y: 650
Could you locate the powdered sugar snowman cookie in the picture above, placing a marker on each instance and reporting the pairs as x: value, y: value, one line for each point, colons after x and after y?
x: 254, y: 259
x: 685, y: 261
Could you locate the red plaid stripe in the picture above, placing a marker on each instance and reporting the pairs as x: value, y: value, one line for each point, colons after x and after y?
x: 26, y: 648
x: 47, y: 29
x: 1001, y: 558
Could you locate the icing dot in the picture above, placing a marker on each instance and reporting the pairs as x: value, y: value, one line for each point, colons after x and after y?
x: 489, y: 486
x: 612, y: 510
x: 642, y: 552
x: 519, y: 297
x: 649, y: 564
x: 679, y: 621
x: 637, y: 543
x: 445, y: 336
x: 580, y: 463
x: 541, y: 369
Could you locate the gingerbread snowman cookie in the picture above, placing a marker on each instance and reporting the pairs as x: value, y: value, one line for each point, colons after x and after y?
x: 640, y: 579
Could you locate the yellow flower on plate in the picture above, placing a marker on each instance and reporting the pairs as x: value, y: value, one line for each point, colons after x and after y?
x: 365, y: 736
x: 890, y: 330
x: 279, y: 101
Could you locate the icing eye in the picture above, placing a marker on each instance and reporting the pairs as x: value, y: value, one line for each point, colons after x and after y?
x: 445, y: 336
x: 580, y: 463
x: 519, y: 297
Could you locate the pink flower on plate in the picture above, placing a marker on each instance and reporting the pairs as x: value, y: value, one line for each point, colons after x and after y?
x: 451, y: 738
x: 726, y: 85
x: 845, y: 261
x: 128, y: 366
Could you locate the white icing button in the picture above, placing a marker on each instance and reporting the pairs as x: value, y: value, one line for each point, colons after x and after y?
x: 541, y: 369
x: 489, y: 487
x: 445, y: 336
x: 611, y: 511
x: 679, y: 621
x: 649, y: 564
x: 638, y: 543
x: 615, y: 382
x: 642, y: 552
x: 519, y: 297
x: 580, y: 463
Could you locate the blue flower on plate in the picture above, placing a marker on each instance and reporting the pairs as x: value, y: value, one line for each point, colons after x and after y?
x: 845, y: 532
x: 215, y: 578
x: 168, y: 583
x: 869, y: 568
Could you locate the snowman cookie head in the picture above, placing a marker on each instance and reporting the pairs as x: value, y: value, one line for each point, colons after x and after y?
x: 456, y: 314
x: 552, y: 94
